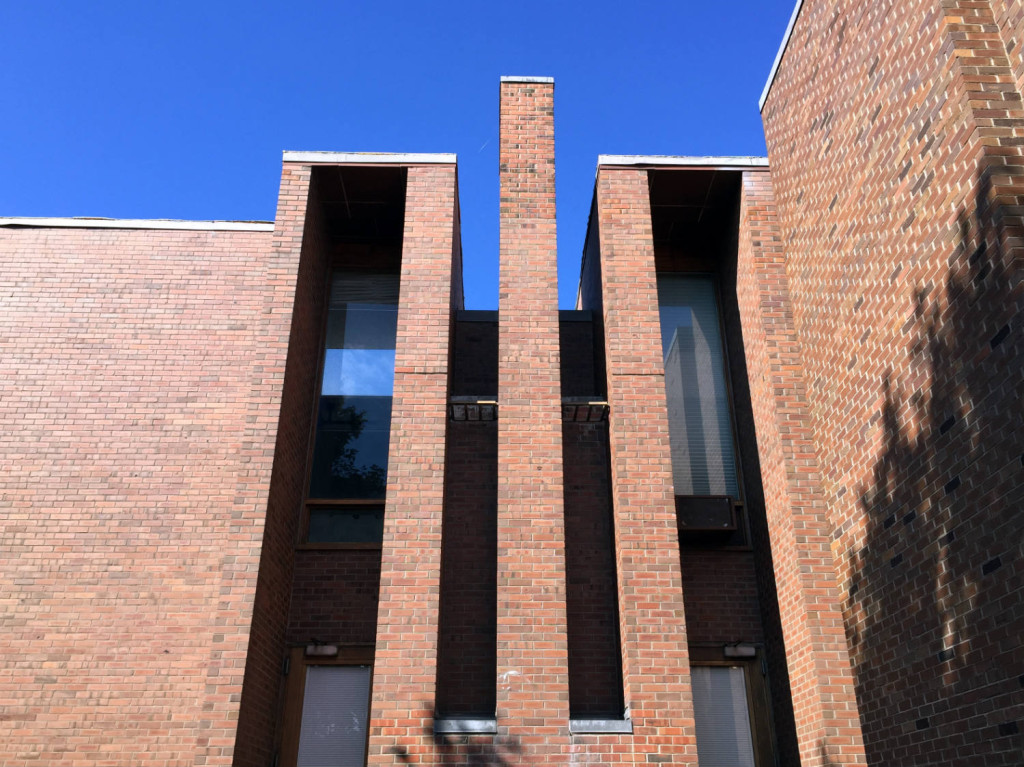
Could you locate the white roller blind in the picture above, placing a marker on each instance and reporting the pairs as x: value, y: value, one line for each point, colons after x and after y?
x: 699, y: 414
x: 334, y: 713
x: 722, y: 717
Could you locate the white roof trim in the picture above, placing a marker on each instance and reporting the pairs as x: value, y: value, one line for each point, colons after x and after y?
x: 778, y: 56
x: 140, y: 223
x: 374, y: 158
x: 520, y: 79
x: 655, y: 159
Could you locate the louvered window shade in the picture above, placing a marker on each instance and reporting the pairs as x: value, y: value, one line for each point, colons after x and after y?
x: 349, y: 287
x: 699, y: 416
x: 335, y: 708
x: 722, y: 717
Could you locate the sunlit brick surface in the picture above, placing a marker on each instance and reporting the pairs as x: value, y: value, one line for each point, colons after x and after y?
x: 894, y: 133
x: 140, y: 380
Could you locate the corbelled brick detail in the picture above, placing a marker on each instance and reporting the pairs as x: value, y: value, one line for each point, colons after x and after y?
x: 894, y: 137
x: 655, y: 657
x: 828, y: 725
x: 532, y: 690
x: 402, y: 705
x: 140, y: 378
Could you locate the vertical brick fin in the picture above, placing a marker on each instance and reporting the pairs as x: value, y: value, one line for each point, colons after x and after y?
x: 655, y: 657
x: 532, y: 687
x: 824, y: 703
x: 293, y: 308
x: 402, y: 704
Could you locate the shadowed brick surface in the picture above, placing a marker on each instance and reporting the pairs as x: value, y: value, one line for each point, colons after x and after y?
x: 298, y: 249
x: 402, y: 706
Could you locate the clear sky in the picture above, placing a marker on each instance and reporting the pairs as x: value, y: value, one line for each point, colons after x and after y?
x: 181, y: 109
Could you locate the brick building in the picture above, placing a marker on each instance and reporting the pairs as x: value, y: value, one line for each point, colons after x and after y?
x: 271, y: 496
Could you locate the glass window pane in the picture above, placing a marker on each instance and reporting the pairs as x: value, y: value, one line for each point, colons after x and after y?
x: 335, y: 706
x: 346, y: 525
x: 359, y: 371
x: 350, y: 451
x: 350, y: 456
x: 700, y: 420
x: 721, y: 716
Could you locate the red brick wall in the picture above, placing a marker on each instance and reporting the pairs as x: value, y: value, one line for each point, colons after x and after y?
x: 532, y: 695
x: 139, y: 380
x: 825, y: 709
x: 466, y: 655
x: 655, y: 658
x: 720, y: 591
x: 786, y: 748
x: 402, y: 706
x: 299, y: 248
x: 595, y: 665
x: 334, y: 597
x: 893, y: 140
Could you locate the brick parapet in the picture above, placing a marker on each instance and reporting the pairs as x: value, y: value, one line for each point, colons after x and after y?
x: 655, y: 658
x: 402, y: 703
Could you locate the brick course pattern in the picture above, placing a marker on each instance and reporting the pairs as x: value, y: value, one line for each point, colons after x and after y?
x: 402, y: 705
x: 298, y: 258
x: 140, y: 378
x: 894, y: 131
x: 824, y: 705
x: 532, y: 685
x: 652, y: 626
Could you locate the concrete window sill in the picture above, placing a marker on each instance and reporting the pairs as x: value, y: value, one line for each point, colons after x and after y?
x: 600, y: 727
x: 465, y: 726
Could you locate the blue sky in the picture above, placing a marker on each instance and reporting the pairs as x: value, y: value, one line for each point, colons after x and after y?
x: 181, y: 110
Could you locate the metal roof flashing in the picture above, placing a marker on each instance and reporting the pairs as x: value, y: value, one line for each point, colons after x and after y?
x: 371, y: 158
x: 655, y: 160
x: 136, y: 223
x: 522, y: 79
x: 778, y: 56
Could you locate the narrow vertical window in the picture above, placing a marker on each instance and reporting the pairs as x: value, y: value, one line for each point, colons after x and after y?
x: 699, y: 413
x: 353, y: 426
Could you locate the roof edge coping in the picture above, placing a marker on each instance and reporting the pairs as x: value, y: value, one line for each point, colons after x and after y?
x: 778, y: 56
x: 671, y: 160
x: 373, y: 158
x: 86, y: 222
x: 525, y: 79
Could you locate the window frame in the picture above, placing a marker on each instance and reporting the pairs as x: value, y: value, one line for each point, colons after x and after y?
x: 727, y: 373
x: 308, y: 503
x: 295, y: 690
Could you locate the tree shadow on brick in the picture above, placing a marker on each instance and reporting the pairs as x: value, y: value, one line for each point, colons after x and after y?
x: 934, y: 613
x: 467, y: 751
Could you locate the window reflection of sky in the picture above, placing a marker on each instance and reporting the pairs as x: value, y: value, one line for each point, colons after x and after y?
x: 364, y: 372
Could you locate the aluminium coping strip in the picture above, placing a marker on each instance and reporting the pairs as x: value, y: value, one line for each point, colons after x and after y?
x: 523, y: 79
x: 778, y: 56
x: 138, y: 223
x: 372, y: 158
x: 676, y: 161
